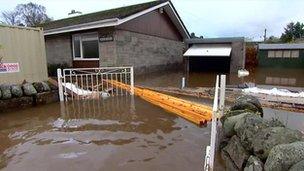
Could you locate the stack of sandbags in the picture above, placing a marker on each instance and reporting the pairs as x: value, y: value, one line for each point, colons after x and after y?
x: 250, y: 141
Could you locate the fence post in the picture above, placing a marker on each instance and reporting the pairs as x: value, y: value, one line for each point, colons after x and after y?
x: 214, y: 125
x: 183, y: 82
x: 132, y: 80
x: 60, y: 89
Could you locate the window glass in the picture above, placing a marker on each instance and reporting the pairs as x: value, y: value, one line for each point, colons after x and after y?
x: 295, y: 54
x: 85, y: 45
x: 279, y: 54
x: 286, y: 53
x: 76, y: 41
x: 90, y: 49
x: 270, y: 54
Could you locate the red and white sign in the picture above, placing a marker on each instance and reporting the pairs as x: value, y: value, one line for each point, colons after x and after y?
x: 9, y: 67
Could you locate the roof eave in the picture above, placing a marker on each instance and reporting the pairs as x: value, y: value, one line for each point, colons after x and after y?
x: 86, y: 26
x: 115, y: 22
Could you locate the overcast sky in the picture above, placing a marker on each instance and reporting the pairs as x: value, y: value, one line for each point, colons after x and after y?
x: 210, y: 18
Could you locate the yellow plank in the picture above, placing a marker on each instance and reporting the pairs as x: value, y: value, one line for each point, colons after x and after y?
x: 184, y: 110
x: 196, y: 113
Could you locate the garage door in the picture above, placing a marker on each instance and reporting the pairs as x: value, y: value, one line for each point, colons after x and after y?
x: 209, y: 57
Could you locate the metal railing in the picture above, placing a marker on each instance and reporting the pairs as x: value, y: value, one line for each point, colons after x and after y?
x: 83, y: 83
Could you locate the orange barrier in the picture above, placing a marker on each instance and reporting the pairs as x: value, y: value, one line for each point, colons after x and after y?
x: 196, y: 113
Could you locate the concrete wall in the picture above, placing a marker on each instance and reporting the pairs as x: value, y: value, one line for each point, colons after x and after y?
x: 59, y: 49
x: 237, y: 56
x: 147, y: 53
x: 26, y: 47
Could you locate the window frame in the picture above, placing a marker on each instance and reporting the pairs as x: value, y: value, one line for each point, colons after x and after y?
x: 82, y: 58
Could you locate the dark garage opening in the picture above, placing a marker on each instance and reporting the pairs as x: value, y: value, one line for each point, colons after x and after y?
x: 220, y: 64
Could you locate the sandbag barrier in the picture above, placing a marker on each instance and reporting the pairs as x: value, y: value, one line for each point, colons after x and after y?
x: 17, y: 96
x: 253, y: 143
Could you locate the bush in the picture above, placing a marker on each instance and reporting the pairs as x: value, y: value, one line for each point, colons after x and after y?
x: 251, y: 57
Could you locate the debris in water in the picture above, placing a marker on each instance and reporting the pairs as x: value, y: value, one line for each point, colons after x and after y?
x: 274, y: 91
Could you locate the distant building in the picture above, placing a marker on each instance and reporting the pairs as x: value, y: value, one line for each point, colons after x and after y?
x: 281, y: 55
x: 215, y: 54
x: 148, y: 36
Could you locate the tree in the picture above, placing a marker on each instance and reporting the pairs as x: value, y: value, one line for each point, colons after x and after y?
x: 292, y: 32
x: 273, y: 39
x: 29, y: 14
x: 10, y: 17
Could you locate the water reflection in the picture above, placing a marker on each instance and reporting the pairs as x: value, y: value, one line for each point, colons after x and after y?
x: 291, y: 120
x: 259, y: 76
x: 118, y: 133
x: 115, y: 114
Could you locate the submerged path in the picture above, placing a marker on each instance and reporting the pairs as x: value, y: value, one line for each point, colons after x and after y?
x: 196, y: 113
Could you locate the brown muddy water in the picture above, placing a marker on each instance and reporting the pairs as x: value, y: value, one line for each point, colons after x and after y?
x: 260, y: 76
x: 118, y: 133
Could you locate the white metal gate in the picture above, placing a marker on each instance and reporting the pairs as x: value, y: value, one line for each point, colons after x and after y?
x: 82, y: 83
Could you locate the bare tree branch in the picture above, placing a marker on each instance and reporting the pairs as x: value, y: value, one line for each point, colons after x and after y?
x: 10, y: 18
x: 29, y: 14
x: 32, y: 14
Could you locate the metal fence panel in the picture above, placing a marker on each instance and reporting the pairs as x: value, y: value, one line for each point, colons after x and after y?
x: 24, y: 46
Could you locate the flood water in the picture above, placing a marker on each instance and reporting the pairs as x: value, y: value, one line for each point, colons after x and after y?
x: 118, y: 133
x: 260, y: 76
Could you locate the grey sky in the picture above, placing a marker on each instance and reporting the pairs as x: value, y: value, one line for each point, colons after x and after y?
x: 210, y: 18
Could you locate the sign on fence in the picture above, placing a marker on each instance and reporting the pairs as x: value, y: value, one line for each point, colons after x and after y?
x: 9, y: 67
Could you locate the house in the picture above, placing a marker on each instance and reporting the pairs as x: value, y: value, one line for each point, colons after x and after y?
x: 215, y: 54
x: 290, y: 55
x: 148, y: 36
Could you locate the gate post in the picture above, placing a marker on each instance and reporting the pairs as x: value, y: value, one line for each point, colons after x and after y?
x: 132, y: 80
x: 222, y: 94
x: 60, y: 89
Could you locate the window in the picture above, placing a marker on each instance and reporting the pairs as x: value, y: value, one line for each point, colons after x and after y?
x: 280, y: 81
x: 271, y: 54
x: 295, y: 54
x: 286, y: 54
x: 278, y: 54
x: 85, y: 46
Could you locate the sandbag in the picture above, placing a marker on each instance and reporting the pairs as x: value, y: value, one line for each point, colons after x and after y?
x: 29, y: 89
x: 283, y: 157
x: 16, y: 91
x: 6, y: 91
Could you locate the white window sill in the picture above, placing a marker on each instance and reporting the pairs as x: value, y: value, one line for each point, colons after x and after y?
x: 86, y: 59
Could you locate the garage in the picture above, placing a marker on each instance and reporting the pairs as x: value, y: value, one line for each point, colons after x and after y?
x: 209, y: 57
x: 225, y: 55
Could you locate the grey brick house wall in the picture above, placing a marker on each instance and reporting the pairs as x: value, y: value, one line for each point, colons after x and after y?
x: 146, y: 53
x: 58, y: 49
